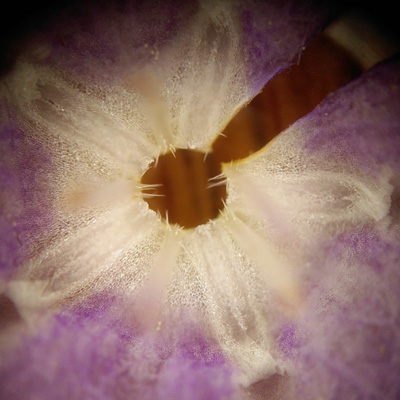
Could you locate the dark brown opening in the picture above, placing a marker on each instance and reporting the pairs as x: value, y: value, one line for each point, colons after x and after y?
x: 186, y: 187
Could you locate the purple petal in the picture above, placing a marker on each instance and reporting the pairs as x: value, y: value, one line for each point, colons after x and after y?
x: 75, y: 356
x: 327, y: 188
x: 360, y: 123
x: 348, y: 344
x: 276, y: 32
x: 341, y: 161
x: 24, y: 166
x: 358, y: 130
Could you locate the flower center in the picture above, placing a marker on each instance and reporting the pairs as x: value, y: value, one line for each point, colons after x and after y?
x: 186, y: 187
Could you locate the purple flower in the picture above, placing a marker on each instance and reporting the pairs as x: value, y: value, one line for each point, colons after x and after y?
x: 290, y: 293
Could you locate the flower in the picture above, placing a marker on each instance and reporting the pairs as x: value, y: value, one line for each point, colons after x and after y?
x: 291, y: 291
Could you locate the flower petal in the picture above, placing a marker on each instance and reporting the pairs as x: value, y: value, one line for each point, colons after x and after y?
x: 216, y: 280
x: 100, y: 124
x: 347, y: 343
x: 192, y: 64
x: 82, y: 259
x: 95, y: 355
x: 327, y: 191
x: 24, y: 166
x: 340, y: 162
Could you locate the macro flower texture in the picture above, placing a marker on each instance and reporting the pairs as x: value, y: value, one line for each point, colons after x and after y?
x: 291, y: 292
